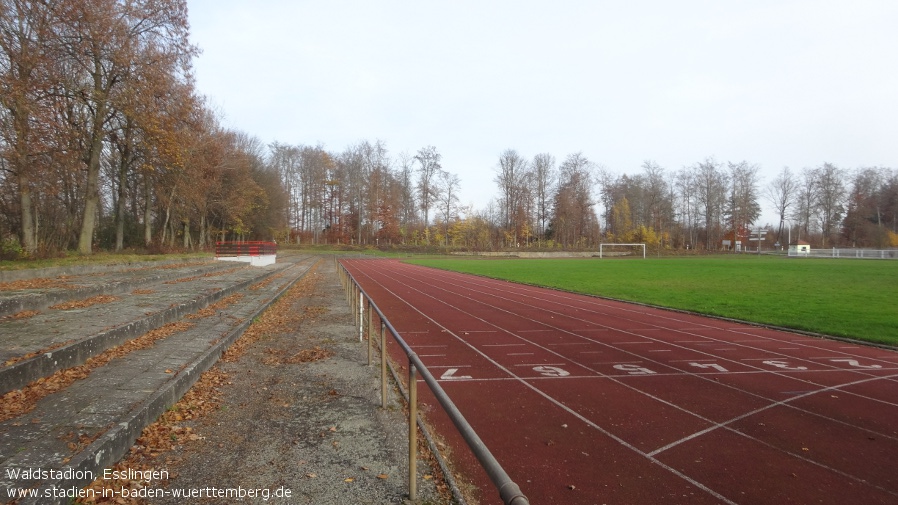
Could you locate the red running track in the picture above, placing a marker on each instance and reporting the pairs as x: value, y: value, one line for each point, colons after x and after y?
x: 585, y: 400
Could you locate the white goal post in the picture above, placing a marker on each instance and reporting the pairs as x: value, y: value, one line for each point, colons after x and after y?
x: 601, y: 246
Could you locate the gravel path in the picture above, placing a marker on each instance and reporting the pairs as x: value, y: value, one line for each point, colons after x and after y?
x: 300, y: 413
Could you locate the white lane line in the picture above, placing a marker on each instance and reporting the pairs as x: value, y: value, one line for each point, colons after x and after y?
x: 798, y: 395
x: 551, y: 399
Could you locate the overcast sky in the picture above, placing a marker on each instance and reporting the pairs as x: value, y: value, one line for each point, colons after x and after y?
x: 775, y: 83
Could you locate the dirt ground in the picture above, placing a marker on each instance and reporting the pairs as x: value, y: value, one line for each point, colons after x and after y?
x: 292, y: 409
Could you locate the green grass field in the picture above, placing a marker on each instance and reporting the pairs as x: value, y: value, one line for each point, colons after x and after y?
x: 847, y: 298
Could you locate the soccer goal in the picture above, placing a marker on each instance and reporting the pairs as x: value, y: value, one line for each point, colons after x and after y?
x: 602, y: 248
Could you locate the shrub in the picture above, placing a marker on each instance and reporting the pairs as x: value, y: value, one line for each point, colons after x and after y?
x: 11, y: 249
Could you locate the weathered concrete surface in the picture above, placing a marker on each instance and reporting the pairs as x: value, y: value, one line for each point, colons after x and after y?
x: 111, y: 406
x: 67, y: 338
x: 314, y: 428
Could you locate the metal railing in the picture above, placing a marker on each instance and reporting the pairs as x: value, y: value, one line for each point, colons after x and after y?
x: 885, y: 254
x: 509, y: 491
x: 252, y: 248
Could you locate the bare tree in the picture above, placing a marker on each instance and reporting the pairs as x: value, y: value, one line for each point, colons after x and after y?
x: 574, y: 222
x: 711, y: 193
x: 781, y: 193
x: 408, y: 212
x: 687, y: 205
x: 428, y: 170
x: 449, y: 188
x: 742, y: 208
x: 806, y: 203
x: 658, y: 206
x: 829, y: 186
x: 544, y: 176
x: 511, y: 172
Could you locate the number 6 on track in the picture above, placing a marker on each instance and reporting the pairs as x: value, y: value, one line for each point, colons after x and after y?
x: 633, y: 369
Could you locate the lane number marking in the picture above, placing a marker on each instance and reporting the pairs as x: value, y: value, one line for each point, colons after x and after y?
x: 783, y: 365
x: 855, y: 363
x: 551, y: 371
x: 449, y: 375
x: 633, y: 369
x: 715, y: 366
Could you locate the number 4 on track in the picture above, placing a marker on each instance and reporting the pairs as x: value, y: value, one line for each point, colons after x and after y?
x: 715, y: 366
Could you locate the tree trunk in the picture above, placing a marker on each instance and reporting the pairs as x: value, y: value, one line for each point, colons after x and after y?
x: 186, y: 234
x: 203, y: 239
x: 147, y: 213
x: 120, y: 212
x: 29, y: 238
x: 92, y: 194
x: 124, y: 162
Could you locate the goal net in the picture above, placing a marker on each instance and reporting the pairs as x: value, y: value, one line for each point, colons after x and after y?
x: 612, y: 249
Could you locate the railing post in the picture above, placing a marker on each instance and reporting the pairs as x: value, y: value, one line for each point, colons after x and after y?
x: 412, y: 431
x: 361, y: 314
x: 368, y: 333
x: 383, y: 365
x: 352, y: 300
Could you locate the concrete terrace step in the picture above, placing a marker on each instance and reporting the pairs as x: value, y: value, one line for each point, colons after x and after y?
x: 63, y: 288
x: 110, y: 407
x: 96, y: 268
x: 56, y: 341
